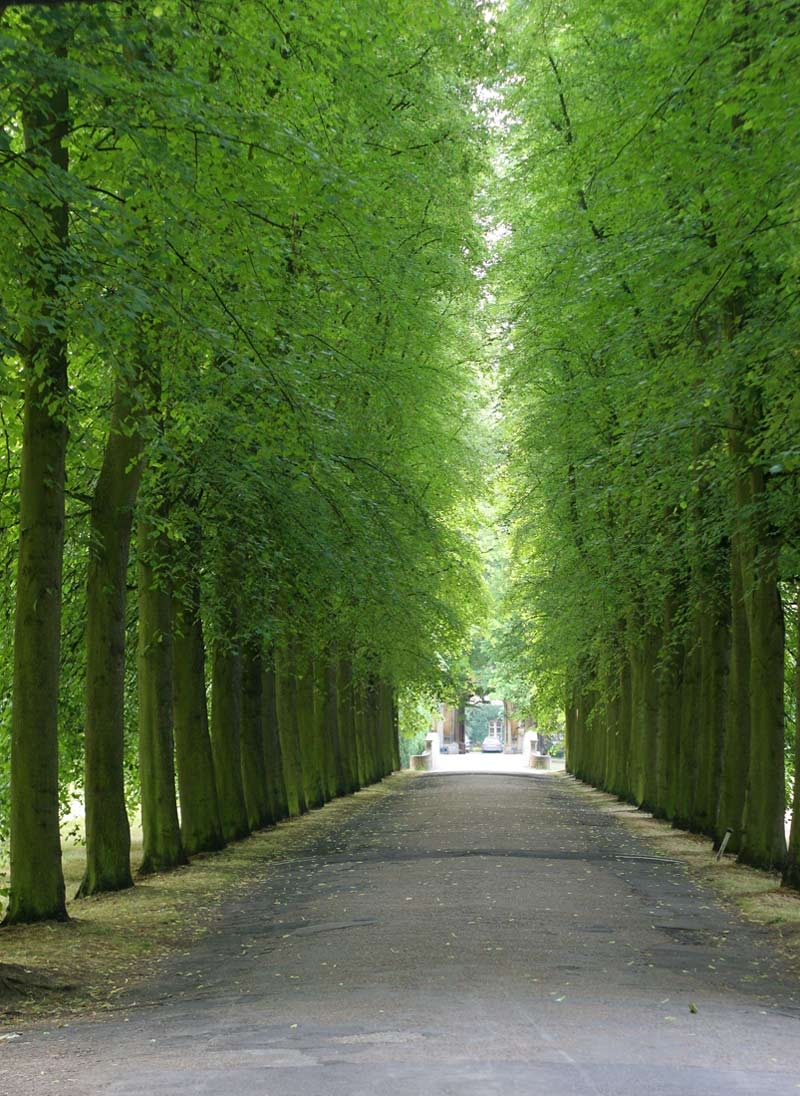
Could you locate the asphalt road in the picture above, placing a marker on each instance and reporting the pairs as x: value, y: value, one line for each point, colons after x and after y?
x: 468, y: 934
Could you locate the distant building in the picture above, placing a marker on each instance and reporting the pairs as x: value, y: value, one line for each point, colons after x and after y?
x: 461, y: 728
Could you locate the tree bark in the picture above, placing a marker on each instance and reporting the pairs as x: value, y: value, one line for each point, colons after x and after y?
x: 273, y: 758
x: 325, y: 702
x: 346, y: 723
x: 571, y: 747
x: 226, y: 724
x: 37, y: 881
x: 647, y: 716
x: 686, y: 784
x: 162, y: 845
x: 736, y: 741
x: 791, y: 872
x: 669, y: 713
x: 108, y: 840
x: 642, y: 743
x: 254, y: 773
x: 311, y: 748
x: 286, y: 704
x: 201, y: 826
x: 714, y: 671
x: 763, y: 833
x: 360, y: 733
x: 612, y: 692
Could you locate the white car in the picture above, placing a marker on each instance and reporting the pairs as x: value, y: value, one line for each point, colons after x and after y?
x: 492, y: 744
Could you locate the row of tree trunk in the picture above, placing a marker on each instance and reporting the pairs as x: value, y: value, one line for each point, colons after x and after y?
x: 686, y: 718
x: 286, y: 731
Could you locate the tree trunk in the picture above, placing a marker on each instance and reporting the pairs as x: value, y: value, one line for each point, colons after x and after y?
x: 714, y: 670
x: 346, y: 723
x: 791, y: 872
x: 648, y: 715
x: 326, y: 730
x: 273, y: 758
x: 365, y: 726
x: 386, y: 708
x: 108, y: 841
x: 286, y: 704
x: 736, y: 741
x: 639, y: 739
x: 201, y: 826
x: 669, y: 714
x: 254, y: 774
x: 763, y: 833
x: 329, y: 692
x: 310, y: 742
x: 595, y: 732
x: 360, y: 732
x: 162, y: 845
x: 612, y: 712
x: 623, y: 788
x: 687, y: 749
x: 571, y: 747
x: 395, y: 732
x: 37, y: 881
x: 226, y: 725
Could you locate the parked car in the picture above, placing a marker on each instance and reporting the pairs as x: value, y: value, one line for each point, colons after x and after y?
x: 492, y: 744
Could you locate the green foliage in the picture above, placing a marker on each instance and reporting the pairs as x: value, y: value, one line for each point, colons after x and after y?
x: 647, y: 167
x: 272, y: 235
x: 477, y: 719
x: 416, y: 713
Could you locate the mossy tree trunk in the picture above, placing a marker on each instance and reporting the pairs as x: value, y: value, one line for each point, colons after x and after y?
x: 637, y: 657
x: 366, y: 729
x: 311, y: 746
x: 609, y: 683
x: 37, y: 881
x: 286, y: 705
x: 714, y: 652
x: 669, y: 712
x: 571, y: 747
x: 346, y: 723
x: 396, y: 731
x: 201, y: 826
x: 763, y: 833
x: 327, y: 693
x: 649, y: 725
x: 791, y: 871
x: 386, y: 708
x: 360, y: 732
x: 273, y: 757
x: 107, y: 829
x: 162, y: 845
x: 226, y: 729
x: 736, y: 741
x: 686, y: 783
x: 623, y: 788
x: 254, y: 773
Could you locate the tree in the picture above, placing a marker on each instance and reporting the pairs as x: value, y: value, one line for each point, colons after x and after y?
x: 266, y: 299
x: 37, y: 885
x: 647, y: 291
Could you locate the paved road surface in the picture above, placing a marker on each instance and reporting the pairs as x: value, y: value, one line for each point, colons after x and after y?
x: 468, y: 934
